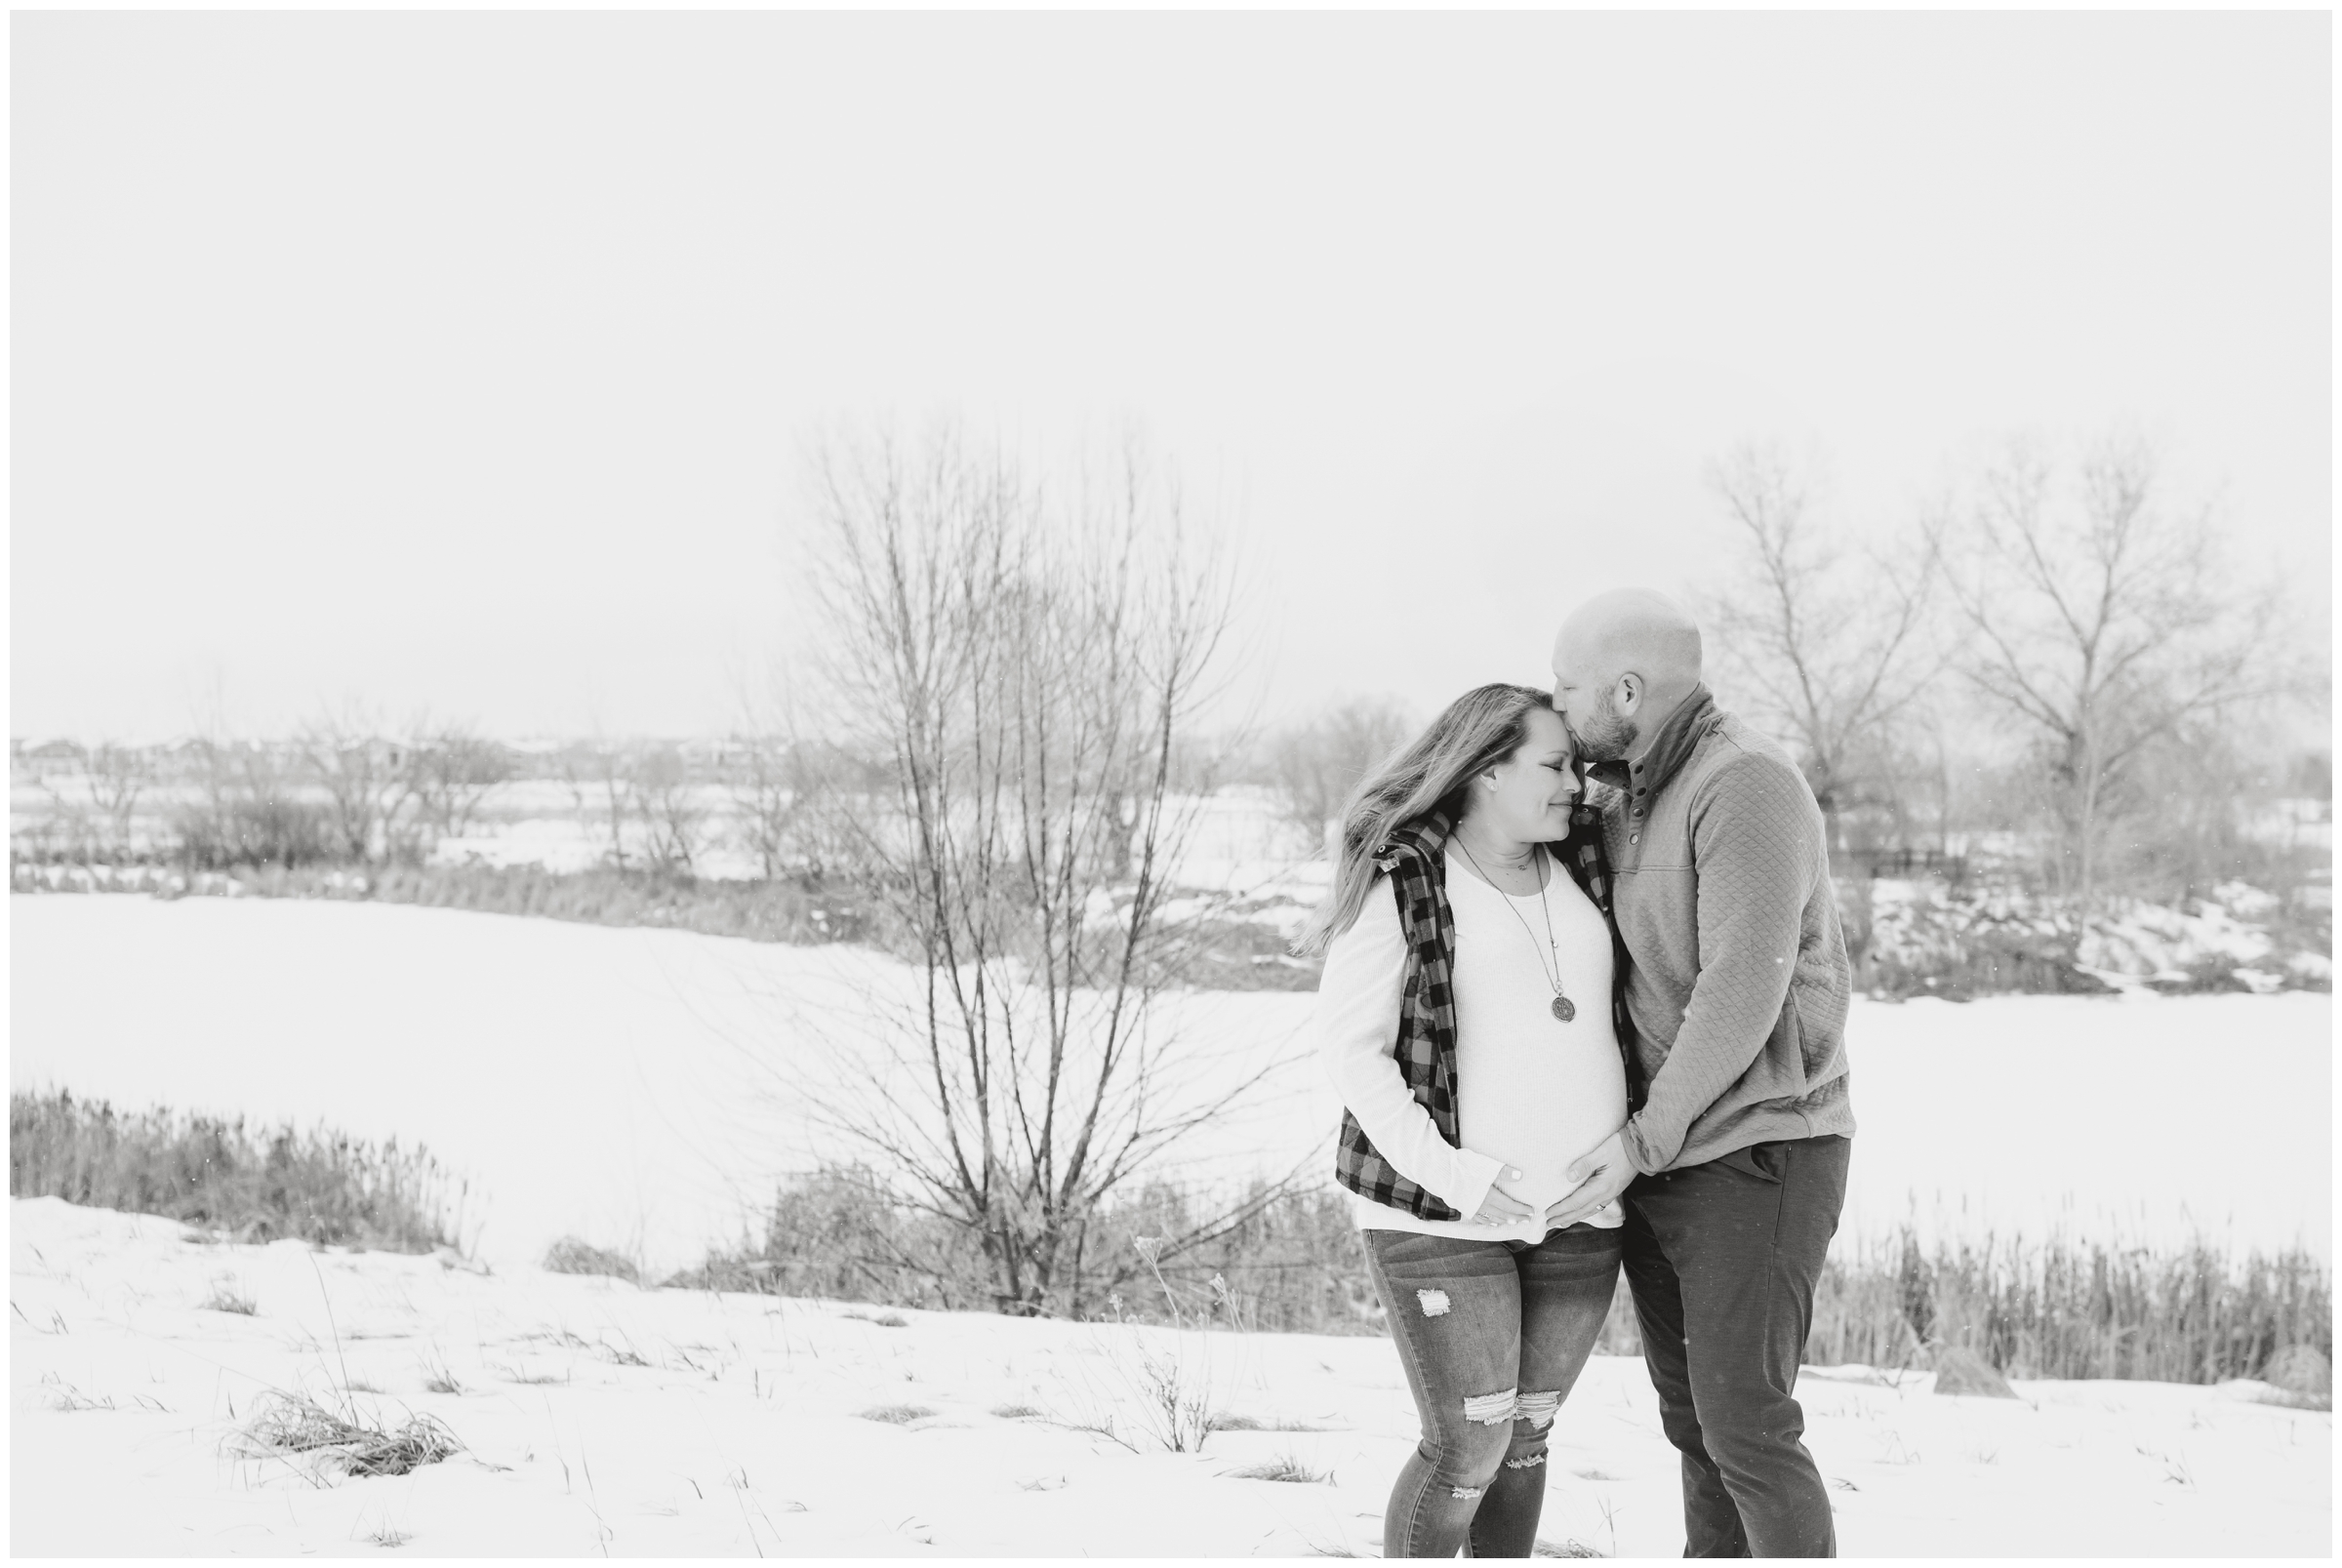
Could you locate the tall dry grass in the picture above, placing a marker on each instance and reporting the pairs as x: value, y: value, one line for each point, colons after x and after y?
x: 2059, y: 1309
x: 1285, y: 1263
x: 2063, y: 1307
x: 251, y: 1185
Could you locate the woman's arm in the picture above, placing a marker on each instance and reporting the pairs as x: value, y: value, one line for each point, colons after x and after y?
x: 1357, y: 1039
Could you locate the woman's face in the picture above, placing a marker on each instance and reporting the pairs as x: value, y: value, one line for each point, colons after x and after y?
x: 1528, y: 796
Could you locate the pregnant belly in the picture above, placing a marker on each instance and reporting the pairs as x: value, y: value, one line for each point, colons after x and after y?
x: 1539, y: 1122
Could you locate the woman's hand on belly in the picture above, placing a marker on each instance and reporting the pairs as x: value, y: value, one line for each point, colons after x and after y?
x: 1501, y: 1206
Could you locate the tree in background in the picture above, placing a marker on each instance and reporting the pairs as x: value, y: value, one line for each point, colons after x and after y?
x: 1827, y: 646
x: 1315, y: 766
x: 451, y: 771
x: 94, y: 804
x: 1027, y: 663
x: 2100, y: 623
x: 599, y: 777
x: 363, y: 775
x: 246, y: 808
x: 667, y: 805
x: 791, y: 794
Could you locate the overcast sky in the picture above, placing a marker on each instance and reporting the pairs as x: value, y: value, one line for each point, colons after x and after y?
x: 464, y: 360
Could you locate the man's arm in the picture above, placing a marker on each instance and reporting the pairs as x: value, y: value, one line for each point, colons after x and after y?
x: 1756, y: 854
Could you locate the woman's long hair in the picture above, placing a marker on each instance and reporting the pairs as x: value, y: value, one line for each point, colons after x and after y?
x: 1478, y: 730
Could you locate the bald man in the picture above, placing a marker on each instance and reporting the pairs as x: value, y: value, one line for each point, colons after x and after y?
x: 1733, y: 1162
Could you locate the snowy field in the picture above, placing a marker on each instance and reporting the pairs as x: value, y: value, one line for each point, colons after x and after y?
x: 632, y: 1086
x: 748, y: 1428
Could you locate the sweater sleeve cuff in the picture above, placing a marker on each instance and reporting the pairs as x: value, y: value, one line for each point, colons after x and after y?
x: 1475, y: 1174
x: 1634, y: 1137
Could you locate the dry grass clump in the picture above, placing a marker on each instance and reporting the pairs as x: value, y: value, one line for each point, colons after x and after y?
x: 438, y: 1376
x: 571, y: 1256
x: 287, y: 1424
x: 1223, y: 1421
x: 65, y: 1397
x: 1018, y: 1412
x: 896, y: 1415
x: 229, y: 1297
x: 1283, y: 1468
x: 254, y: 1185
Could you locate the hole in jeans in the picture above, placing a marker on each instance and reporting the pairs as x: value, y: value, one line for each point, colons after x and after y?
x: 1490, y: 1409
x: 1538, y: 1409
x: 1529, y: 1463
x: 1435, y: 1303
x: 1468, y: 1491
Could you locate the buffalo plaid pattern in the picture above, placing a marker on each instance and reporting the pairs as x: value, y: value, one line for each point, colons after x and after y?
x: 1415, y: 860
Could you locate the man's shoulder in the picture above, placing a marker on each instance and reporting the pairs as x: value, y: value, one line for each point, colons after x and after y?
x: 1736, y: 757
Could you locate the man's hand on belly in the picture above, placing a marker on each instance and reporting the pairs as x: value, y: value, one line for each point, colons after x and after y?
x: 1594, y: 1178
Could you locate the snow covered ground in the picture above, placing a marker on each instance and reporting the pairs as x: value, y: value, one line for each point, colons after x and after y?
x: 632, y: 1086
x: 597, y: 1417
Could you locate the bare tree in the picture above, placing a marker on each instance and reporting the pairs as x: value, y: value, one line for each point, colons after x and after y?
x: 667, y: 802
x: 363, y: 775
x: 451, y: 772
x: 782, y: 786
x: 2101, y: 622
x: 1316, y: 765
x: 601, y: 788
x: 99, y: 812
x: 1027, y: 665
x: 1829, y: 645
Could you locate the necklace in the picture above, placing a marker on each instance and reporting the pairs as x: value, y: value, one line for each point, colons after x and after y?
x: 1563, y: 1008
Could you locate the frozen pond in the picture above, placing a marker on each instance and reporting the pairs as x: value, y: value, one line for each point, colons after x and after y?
x: 644, y: 1087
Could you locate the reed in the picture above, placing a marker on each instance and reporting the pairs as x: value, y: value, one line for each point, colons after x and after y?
x: 2067, y: 1308
x: 246, y: 1183
x: 2058, y: 1307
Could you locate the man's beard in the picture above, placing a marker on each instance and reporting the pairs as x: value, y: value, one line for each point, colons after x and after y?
x: 1603, y: 736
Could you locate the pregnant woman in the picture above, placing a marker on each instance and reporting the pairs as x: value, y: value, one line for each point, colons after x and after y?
x: 1465, y: 1018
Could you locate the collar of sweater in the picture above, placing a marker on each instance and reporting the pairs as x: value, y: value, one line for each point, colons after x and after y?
x: 1685, y: 728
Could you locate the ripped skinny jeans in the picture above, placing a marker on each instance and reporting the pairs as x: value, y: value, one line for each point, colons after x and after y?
x: 1493, y: 1334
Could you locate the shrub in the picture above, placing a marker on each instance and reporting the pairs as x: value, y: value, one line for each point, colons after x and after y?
x: 570, y: 1256
x: 252, y: 829
x: 1290, y: 1262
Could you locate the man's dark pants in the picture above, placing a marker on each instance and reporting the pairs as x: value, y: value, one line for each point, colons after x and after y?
x: 1723, y: 1259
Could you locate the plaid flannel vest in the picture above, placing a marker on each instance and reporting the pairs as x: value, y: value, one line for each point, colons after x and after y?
x: 1415, y: 860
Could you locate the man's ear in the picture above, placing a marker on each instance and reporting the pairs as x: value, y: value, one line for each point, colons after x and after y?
x: 1630, y: 691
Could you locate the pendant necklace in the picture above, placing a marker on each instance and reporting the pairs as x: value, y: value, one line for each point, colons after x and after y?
x: 1563, y: 1008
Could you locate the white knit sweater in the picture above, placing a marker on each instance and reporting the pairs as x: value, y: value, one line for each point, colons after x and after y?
x: 1533, y: 1093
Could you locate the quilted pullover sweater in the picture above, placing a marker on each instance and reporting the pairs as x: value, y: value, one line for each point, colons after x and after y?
x: 1737, y: 977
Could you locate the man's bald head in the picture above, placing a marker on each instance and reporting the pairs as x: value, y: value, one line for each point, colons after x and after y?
x: 1622, y: 662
